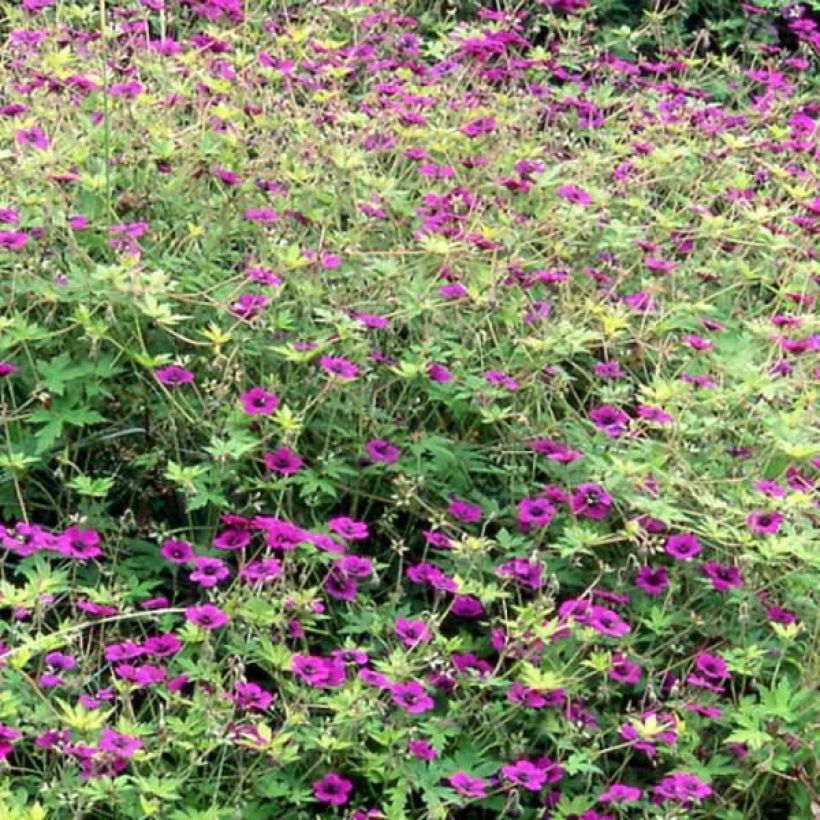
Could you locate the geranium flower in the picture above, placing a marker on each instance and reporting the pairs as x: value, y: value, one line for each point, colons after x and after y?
x: 173, y: 376
x: 412, y: 632
x: 380, y: 450
x: 620, y: 793
x: 119, y: 744
x: 283, y: 461
x: 683, y: 547
x: 259, y: 402
x: 525, y: 774
x: 574, y: 194
x: 422, y: 750
x: 464, y: 511
x: 686, y: 789
x: 761, y: 522
x: 32, y: 138
x: 177, y: 552
x: 208, y: 572
x: 332, y: 789
x: 534, y: 512
x: 591, y: 501
x: 412, y: 697
x: 722, y: 577
x: 652, y: 581
x: 349, y: 529
x: 466, y: 786
x: 339, y: 368
x: 206, y: 616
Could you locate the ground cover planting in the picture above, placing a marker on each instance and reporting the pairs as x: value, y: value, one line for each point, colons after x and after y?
x: 407, y: 410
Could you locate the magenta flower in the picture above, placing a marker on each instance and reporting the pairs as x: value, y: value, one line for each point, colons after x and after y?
x: 464, y: 511
x: 79, y: 544
x: 611, y: 420
x: 574, y: 194
x: 652, y: 581
x: 262, y: 215
x: 378, y: 449
x: 422, y: 750
x: 683, y: 547
x: 439, y: 373
x: 525, y: 774
x: 163, y: 646
x: 251, y: 696
x: 283, y: 461
x: 8, y: 369
x: 411, y: 633
x: 339, y: 368
x: 761, y: 522
x: 527, y: 573
x: 177, y: 552
x: 349, y: 529
x: 466, y: 786
x: 206, y: 616
x: 555, y: 451
x: 620, y: 793
x: 536, y: 512
x: 208, y: 572
x: 259, y: 402
x: 722, y: 577
x: 32, y: 138
x: 608, y: 622
x: 332, y: 789
x: 173, y: 376
x: 712, y: 666
x: 321, y: 673
x: 257, y: 572
x: 591, y: 501
x: 411, y: 697
x: 623, y: 670
x: 655, y: 415
x: 118, y: 744
x: 608, y: 370
x: 686, y: 789
x: 13, y: 240
x: 232, y: 539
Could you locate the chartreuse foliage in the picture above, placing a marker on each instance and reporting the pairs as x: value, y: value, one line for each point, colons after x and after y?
x: 406, y: 410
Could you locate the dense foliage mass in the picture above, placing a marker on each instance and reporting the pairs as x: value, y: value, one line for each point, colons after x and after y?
x: 406, y: 412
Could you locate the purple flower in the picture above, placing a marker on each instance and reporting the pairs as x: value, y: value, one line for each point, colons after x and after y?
x: 412, y: 697
x: 257, y: 572
x: 8, y: 369
x: 177, y: 552
x: 683, y: 547
x: 761, y: 522
x: 32, y: 137
x: 574, y: 194
x: 332, y: 789
x: 173, y: 376
x: 652, y: 581
x: 712, y: 666
x: 251, y: 696
x: 339, y: 368
x: 722, y: 577
x: 608, y: 622
x: 206, y: 616
x: 466, y: 786
x: 422, y: 750
x: 263, y: 215
x: 608, y: 370
x: 57, y: 660
x: 653, y: 414
x: 208, y: 572
x: 259, y: 402
x: 555, y: 451
x: 527, y: 573
x: 623, y: 670
x: 412, y: 633
x: 591, y: 501
x: 79, y: 544
x: 685, y: 789
x: 620, y: 793
x: 439, y: 373
x: 283, y: 461
x: 525, y: 774
x: 349, y: 529
x: 13, y: 240
x: 534, y: 512
x: 319, y: 672
x: 118, y: 744
x: 611, y: 420
x: 232, y: 539
x: 378, y: 449
x: 464, y: 511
